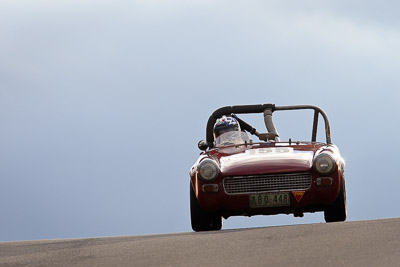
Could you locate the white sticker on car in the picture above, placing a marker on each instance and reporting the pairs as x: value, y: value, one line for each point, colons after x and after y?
x: 269, y: 150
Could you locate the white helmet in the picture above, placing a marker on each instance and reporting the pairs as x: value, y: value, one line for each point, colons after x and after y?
x: 225, y: 124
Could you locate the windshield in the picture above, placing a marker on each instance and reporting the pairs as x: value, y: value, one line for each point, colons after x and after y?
x: 232, y: 138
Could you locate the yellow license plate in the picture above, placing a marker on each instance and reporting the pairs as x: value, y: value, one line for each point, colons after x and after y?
x: 269, y: 200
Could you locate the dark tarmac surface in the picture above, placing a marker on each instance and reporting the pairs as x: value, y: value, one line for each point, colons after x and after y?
x: 357, y: 243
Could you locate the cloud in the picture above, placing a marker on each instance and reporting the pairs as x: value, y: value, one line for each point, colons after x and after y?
x: 349, y: 36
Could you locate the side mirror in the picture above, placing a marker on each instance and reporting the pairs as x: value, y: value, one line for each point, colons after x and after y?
x: 202, y: 145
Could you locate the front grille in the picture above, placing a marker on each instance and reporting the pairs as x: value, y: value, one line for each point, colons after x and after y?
x: 267, y: 183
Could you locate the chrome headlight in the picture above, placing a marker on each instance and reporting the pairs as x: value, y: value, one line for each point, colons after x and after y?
x: 324, y: 164
x: 208, y: 170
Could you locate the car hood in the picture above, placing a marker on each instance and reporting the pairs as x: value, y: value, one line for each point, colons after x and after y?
x: 266, y: 160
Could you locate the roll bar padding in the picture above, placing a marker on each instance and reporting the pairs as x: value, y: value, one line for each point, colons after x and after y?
x: 227, y: 111
x: 243, y: 109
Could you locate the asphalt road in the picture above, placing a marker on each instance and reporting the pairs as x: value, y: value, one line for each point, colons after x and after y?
x: 358, y: 243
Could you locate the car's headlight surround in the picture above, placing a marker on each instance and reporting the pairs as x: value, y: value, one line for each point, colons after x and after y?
x: 208, y: 170
x: 324, y: 164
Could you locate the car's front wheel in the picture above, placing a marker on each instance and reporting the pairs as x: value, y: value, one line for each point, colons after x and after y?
x: 202, y: 220
x: 338, y: 211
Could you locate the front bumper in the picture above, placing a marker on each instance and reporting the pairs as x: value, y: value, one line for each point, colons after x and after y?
x: 213, y: 197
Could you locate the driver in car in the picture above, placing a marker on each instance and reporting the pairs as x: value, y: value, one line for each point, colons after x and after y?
x: 227, y: 132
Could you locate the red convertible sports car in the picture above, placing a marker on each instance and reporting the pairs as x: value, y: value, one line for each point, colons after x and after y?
x: 236, y: 176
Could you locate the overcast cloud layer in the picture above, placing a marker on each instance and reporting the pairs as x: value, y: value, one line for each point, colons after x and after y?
x: 102, y: 104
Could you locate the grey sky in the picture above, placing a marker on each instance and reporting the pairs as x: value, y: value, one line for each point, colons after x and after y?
x: 102, y: 103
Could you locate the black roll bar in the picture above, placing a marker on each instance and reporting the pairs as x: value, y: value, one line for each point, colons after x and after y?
x: 267, y: 109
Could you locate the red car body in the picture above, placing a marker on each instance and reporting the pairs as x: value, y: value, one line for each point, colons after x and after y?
x: 267, y: 177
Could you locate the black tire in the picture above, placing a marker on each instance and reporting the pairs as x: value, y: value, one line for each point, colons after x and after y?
x: 338, y: 211
x: 202, y: 220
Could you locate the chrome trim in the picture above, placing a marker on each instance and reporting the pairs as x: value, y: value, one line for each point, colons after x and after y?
x: 249, y: 184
